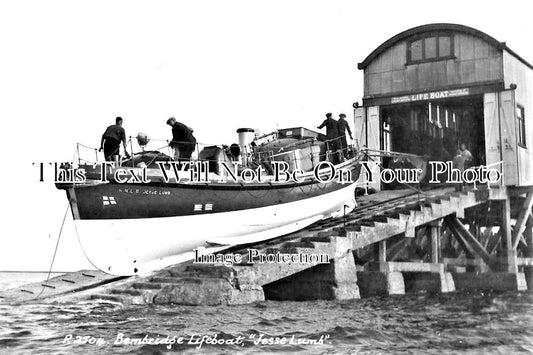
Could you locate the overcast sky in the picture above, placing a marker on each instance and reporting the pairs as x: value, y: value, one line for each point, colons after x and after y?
x: 68, y: 68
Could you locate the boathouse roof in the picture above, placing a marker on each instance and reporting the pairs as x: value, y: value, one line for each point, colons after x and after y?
x: 438, y: 27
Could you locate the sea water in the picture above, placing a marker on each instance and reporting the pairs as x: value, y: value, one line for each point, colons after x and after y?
x: 455, y: 323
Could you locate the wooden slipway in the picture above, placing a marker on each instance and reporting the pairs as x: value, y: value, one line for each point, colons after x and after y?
x: 59, y: 285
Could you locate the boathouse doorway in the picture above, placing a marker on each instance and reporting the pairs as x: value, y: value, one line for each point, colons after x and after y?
x: 435, y: 129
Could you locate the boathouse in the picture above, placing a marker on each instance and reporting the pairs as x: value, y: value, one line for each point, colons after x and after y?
x: 431, y: 88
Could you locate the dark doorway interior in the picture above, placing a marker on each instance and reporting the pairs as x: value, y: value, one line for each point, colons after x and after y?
x: 435, y: 129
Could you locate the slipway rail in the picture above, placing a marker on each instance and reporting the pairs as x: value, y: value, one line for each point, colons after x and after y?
x: 58, y: 286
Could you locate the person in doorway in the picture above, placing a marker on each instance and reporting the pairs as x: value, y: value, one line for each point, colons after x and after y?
x: 343, y: 126
x: 459, y: 163
x: 183, y: 142
x: 111, y: 139
x: 467, y: 156
x: 332, y: 132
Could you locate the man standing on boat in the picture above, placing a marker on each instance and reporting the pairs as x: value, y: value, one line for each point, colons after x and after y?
x: 332, y: 133
x: 111, y: 139
x: 183, y: 142
x: 343, y: 127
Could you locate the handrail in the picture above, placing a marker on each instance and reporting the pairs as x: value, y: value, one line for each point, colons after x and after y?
x: 392, y: 154
x: 501, y: 162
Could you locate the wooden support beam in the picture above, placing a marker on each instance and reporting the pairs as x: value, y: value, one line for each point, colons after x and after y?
x: 366, y: 257
x: 435, y: 236
x: 469, y: 253
x: 484, y: 237
x: 382, y: 251
x: 520, y: 190
x: 520, y: 224
x: 396, y: 249
x: 489, y: 224
x: 493, y: 241
x: 471, y: 241
x: 528, y: 235
x: 507, y: 255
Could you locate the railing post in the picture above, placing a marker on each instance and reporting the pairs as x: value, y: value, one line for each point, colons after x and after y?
x: 131, y: 148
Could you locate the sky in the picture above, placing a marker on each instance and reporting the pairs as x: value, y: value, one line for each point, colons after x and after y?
x: 68, y: 68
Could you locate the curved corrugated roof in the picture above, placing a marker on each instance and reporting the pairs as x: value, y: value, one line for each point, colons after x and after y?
x: 438, y: 27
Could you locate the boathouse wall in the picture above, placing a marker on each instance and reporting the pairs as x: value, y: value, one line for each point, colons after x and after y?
x: 520, y: 73
x: 474, y: 62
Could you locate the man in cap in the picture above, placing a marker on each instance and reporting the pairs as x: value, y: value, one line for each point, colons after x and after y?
x: 343, y: 127
x: 332, y: 132
x: 183, y: 142
x: 111, y: 139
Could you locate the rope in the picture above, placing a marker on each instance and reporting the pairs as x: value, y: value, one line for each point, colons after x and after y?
x: 55, y: 251
x: 305, y: 156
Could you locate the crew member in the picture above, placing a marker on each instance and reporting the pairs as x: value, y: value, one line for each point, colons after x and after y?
x: 467, y: 156
x: 183, y: 142
x: 343, y: 126
x: 459, y: 163
x: 332, y: 132
x: 111, y: 139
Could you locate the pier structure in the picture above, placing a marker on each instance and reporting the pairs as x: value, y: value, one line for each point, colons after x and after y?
x: 436, y: 241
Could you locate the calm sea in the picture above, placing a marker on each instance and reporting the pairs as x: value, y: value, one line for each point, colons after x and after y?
x: 459, y: 323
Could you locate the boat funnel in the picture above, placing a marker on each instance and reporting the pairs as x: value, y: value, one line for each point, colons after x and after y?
x: 246, y: 136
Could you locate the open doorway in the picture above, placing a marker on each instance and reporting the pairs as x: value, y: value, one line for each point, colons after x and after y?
x: 435, y: 129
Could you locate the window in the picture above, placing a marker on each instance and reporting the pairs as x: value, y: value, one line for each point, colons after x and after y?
x: 445, y: 49
x: 430, y: 45
x: 521, y: 123
x: 430, y: 48
x: 416, y: 50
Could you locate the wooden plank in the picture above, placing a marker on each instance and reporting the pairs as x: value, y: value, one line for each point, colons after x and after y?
x: 425, y: 76
x: 399, y: 56
x: 414, y: 267
x: 452, y: 71
x: 467, y: 71
x: 59, y: 285
x: 439, y: 74
x: 520, y: 224
x: 411, y: 76
x: 481, y: 48
x: 462, y: 262
x: 524, y: 261
x: 386, y: 82
x: 398, y: 81
x: 466, y: 46
x: 482, y: 70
